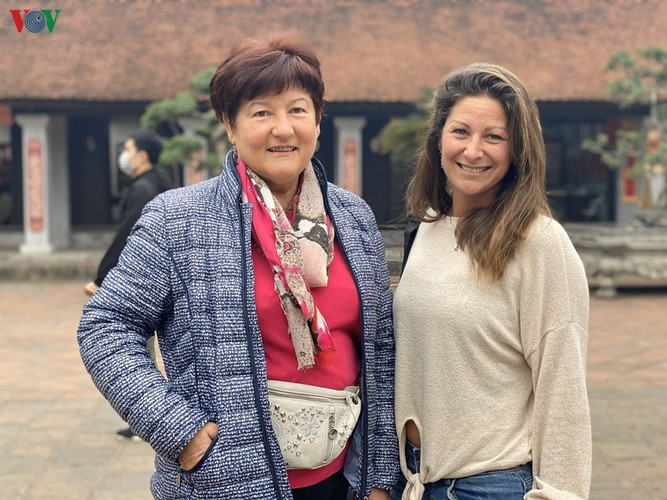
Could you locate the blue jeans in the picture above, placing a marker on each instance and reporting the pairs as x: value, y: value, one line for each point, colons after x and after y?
x: 508, y: 484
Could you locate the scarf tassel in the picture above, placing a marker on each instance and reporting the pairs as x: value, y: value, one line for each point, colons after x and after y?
x: 325, y: 358
x: 324, y: 340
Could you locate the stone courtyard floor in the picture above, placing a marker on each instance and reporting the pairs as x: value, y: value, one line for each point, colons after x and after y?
x: 57, y: 433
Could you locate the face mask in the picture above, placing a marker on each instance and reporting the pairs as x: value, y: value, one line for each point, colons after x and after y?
x: 124, y: 163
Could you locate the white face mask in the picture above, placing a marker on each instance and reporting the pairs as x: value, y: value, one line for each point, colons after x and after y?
x: 124, y: 163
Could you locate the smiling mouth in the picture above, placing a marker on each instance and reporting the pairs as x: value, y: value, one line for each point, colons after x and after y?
x: 282, y: 149
x: 473, y: 170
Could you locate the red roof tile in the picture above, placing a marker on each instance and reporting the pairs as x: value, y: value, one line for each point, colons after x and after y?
x: 374, y: 50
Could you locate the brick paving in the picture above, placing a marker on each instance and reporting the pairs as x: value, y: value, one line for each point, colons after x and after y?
x: 57, y: 434
x: 627, y: 385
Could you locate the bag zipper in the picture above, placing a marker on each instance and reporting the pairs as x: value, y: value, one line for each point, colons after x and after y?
x: 308, y: 397
x: 332, y: 434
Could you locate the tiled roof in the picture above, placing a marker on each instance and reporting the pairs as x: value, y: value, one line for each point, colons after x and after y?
x: 374, y: 50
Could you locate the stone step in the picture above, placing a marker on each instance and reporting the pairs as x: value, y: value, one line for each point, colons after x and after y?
x: 81, y: 264
x: 66, y: 264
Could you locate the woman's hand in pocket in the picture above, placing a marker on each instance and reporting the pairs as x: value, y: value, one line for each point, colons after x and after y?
x: 195, y: 449
x: 378, y: 494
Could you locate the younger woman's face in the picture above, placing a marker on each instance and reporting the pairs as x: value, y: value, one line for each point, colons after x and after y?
x: 475, y: 150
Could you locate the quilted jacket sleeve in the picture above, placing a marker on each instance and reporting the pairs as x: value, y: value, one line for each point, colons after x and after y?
x: 139, y: 195
x: 134, y: 300
x: 385, y: 457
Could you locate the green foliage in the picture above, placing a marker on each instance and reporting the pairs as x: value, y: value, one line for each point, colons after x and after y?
x: 212, y: 162
x: 201, y: 81
x: 643, y: 81
x: 179, y: 148
x: 401, y: 138
x: 169, y: 110
x: 642, y: 75
x: 629, y: 145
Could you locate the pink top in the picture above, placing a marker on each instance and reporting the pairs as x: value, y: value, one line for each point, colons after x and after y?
x: 339, y: 304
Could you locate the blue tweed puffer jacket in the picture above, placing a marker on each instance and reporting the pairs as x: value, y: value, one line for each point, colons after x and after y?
x: 187, y: 273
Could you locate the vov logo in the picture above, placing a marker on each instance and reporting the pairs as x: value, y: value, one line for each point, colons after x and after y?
x: 35, y: 20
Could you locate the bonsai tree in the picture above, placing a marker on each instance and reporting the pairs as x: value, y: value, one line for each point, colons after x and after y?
x: 643, y: 80
x: 401, y: 139
x: 179, y: 148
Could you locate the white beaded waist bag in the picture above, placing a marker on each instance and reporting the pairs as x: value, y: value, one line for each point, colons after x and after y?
x: 312, y: 423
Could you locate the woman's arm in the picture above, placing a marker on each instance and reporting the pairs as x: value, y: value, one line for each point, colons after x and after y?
x: 385, y: 458
x: 561, y: 431
x: 112, y: 334
x: 554, y: 329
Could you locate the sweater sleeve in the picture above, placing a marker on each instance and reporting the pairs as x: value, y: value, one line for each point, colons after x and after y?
x: 112, y: 335
x: 561, y: 433
x: 554, y: 312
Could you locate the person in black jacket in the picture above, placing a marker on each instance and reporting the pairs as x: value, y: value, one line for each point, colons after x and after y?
x: 138, y: 160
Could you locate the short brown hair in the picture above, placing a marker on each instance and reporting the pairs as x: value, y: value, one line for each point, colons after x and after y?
x: 255, y: 68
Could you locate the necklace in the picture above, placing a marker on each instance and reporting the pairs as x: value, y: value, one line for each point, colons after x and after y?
x: 456, y: 246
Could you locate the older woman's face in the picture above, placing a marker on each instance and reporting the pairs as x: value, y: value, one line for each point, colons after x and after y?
x: 276, y: 136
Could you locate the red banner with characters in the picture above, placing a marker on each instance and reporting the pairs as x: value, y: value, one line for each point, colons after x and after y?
x: 35, y: 185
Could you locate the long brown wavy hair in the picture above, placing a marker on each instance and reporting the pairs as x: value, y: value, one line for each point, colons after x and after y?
x: 489, y: 235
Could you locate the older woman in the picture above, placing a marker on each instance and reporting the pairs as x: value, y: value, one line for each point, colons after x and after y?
x: 270, y: 296
x: 491, y: 312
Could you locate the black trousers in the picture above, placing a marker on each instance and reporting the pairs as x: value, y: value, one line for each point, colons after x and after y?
x: 332, y: 488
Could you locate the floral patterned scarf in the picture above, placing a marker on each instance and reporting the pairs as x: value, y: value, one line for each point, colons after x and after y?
x: 299, y: 253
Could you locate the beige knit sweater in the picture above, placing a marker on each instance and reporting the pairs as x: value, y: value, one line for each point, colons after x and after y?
x: 493, y: 374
